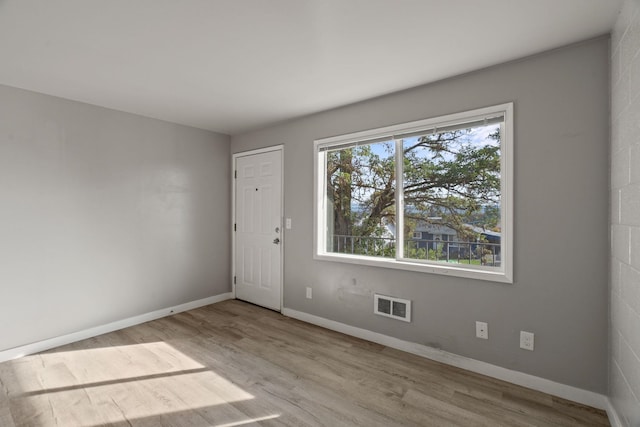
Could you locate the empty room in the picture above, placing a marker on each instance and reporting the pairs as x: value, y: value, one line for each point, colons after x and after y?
x: 320, y: 213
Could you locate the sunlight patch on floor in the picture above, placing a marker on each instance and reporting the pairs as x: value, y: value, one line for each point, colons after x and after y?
x: 112, y: 384
x: 248, y: 421
x: 68, y: 368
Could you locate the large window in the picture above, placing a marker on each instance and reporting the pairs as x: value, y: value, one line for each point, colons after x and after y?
x: 433, y: 195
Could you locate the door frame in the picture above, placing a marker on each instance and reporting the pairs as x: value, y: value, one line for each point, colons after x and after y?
x: 234, y: 158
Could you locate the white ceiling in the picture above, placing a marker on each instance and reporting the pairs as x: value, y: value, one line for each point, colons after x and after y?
x: 237, y: 65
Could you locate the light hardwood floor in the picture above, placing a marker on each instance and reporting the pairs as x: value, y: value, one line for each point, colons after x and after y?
x: 235, y: 364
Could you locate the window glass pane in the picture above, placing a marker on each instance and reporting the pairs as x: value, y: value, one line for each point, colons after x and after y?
x: 360, y: 200
x: 452, y: 196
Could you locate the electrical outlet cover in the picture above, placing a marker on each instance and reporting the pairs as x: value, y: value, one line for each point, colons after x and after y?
x: 482, y: 330
x: 526, y: 340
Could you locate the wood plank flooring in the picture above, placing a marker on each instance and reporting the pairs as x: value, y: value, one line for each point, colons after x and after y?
x: 235, y: 364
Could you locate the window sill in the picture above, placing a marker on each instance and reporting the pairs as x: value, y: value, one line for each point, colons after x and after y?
x: 487, y: 274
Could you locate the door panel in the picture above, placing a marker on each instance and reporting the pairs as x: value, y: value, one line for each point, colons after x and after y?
x: 258, y: 229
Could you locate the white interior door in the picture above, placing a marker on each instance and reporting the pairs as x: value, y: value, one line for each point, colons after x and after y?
x: 258, y: 229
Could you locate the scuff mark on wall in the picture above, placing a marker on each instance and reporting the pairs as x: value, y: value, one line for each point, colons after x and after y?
x: 351, y: 294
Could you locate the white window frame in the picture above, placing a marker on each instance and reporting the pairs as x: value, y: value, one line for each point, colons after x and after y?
x: 502, y: 274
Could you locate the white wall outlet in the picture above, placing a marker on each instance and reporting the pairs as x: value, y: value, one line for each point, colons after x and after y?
x: 482, y: 330
x: 309, y: 292
x: 526, y: 340
x: 287, y: 223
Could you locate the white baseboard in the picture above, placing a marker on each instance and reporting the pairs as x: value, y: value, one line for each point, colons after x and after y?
x: 614, y: 418
x: 519, y: 378
x: 47, y: 344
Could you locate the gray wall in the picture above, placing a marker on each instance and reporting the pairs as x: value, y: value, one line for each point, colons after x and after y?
x: 561, y: 217
x: 104, y: 215
x: 624, y: 363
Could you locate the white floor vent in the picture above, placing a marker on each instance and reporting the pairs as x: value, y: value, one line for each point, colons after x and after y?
x: 396, y: 308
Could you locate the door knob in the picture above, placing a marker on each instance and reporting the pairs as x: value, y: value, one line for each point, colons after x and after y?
x: 276, y: 241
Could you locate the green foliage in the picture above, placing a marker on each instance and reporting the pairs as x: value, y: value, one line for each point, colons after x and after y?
x: 449, y: 178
